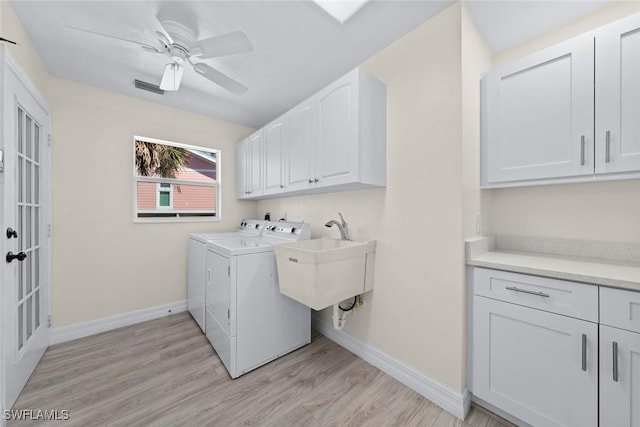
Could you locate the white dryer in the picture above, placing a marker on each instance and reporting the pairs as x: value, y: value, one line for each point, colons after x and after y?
x: 197, y: 263
x: 248, y: 321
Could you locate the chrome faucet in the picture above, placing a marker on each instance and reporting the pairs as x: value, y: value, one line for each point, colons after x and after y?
x: 342, y: 226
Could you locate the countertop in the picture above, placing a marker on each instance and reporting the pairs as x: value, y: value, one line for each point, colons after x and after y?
x: 619, y: 269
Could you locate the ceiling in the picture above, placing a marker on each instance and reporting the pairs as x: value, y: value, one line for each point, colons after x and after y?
x: 297, y: 47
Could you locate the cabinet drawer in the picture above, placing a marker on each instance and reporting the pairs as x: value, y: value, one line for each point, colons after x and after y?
x: 620, y: 309
x: 556, y: 296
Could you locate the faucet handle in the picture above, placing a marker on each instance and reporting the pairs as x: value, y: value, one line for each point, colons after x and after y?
x: 344, y: 223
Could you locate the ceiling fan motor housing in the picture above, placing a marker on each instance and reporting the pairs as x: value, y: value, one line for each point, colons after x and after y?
x: 183, y: 37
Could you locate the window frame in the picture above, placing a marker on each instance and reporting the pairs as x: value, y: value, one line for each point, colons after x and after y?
x: 163, y: 210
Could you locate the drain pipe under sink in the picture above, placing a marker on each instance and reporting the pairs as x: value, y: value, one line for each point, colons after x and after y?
x: 338, y: 320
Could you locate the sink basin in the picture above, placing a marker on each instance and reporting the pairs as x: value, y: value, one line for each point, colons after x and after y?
x: 323, y: 272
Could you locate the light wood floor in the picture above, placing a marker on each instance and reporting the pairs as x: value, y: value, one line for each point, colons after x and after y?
x: 165, y: 373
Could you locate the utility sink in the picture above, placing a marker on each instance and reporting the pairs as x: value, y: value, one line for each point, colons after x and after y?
x: 322, y: 272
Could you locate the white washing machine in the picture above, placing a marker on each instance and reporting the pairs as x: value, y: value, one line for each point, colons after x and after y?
x: 248, y: 321
x: 196, y: 268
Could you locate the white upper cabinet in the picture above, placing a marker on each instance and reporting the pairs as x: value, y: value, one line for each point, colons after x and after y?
x: 543, y: 122
x: 300, y: 147
x: 255, y: 164
x: 274, y: 138
x: 336, y: 149
x: 249, y: 166
x: 618, y: 96
x: 333, y: 141
x: 242, y: 169
x: 539, y: 117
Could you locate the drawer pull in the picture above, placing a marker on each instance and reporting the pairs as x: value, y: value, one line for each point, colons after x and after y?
x: 524, y: 291
x: 584, y: 352
x: 615, y: 361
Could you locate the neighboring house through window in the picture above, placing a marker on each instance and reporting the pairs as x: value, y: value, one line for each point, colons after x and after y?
x: 175, y: 181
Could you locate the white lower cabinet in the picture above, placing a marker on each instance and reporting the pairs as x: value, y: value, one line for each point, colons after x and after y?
x: 551, y: 352
x: 535, y: 348
x: 619, y: 377
x: 619, y: 358
x: 537, y: 366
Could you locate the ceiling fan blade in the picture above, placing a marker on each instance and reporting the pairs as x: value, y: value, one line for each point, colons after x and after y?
x: 219, y: 78
x: 102, y: 38
x: 225, y: 44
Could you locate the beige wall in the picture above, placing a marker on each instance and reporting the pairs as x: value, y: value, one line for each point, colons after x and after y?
x: 103, y: 263
x: 415, y: 313
x: 476, y: 60
x: 593, y: 211
x: 24, y: 54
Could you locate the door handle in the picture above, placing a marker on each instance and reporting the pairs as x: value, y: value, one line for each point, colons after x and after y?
x: 20, y: 256
x: 11, y: 233
x: 607, y: 141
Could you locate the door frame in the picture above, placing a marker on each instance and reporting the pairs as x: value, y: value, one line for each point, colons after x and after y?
x: 9, y: 65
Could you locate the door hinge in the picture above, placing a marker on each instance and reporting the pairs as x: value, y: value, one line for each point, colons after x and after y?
x: 49, y: 140
x: 229, y: 271
x: 49, y: 320
x: 48, y: 230
x: 228, y: 313
x: 1, y: 160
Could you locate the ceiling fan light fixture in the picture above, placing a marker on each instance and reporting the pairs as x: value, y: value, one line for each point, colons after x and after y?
x: 171, y: 77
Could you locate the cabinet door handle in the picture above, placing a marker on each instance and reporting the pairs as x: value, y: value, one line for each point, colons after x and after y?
x: 614, y: 348
x: 524, y: 291
x: 607, y: 143
x: 310, y: 181
x: 316, y: 180
x: 584, y: 352
x: 582, y: 148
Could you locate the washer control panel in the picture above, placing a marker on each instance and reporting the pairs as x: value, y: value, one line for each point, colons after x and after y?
x: 287, y: 230
x: 253, y: 226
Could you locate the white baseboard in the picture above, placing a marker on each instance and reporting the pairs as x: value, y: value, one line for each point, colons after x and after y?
x: 453, y: 402
x: 68, y: 333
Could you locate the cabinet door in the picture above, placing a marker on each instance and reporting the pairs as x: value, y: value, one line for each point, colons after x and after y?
x: 535, y: 365
x: 300, y: 147
x: 274, y: 134
x: 255, y: 164
x: 618, y: 96
x: 242, y: 169
x: 337, y: 132
x: 619, y: 381
x: 218, y: 292
x: 539, y: 115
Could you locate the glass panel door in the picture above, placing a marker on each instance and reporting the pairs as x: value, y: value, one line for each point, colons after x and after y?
x: 28, y: 212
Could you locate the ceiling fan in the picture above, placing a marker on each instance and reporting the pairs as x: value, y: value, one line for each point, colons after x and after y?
x: 178, y: 41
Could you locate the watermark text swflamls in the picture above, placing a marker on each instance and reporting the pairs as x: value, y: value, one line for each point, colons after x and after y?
x: 36, y: 414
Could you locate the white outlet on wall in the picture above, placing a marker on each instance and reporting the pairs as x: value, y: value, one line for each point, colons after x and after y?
x: 479, y: 223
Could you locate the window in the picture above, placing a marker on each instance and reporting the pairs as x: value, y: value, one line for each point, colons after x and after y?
x: 175, y: 181
x: 164, y: 195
